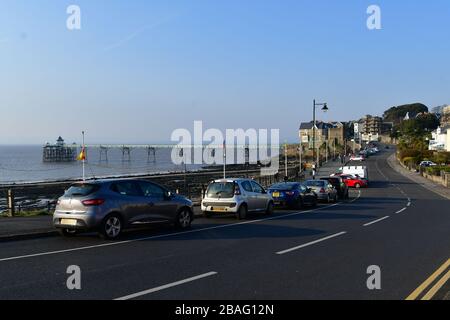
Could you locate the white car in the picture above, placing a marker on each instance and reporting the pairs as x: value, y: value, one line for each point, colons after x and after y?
x: 428, y: 164
x: 237, y: 196
x: 359, y: 157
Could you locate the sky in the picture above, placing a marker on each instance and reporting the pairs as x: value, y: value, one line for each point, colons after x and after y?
x: 139, y: 69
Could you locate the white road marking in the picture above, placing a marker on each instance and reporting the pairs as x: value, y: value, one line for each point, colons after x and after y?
x: 400, y: 211
x: 376, y: 221
x: 169, y: 234
x: 311, y: 243
x: 167, y: 286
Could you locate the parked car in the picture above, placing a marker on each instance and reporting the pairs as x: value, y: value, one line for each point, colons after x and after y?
x: 292, y: 195
x: 427, y: 164
x: 323, y: 189
x: 357, y: 157
x: 339, y: 184
x: 110, y: 206
x: 355, y: 181
x: 237, y: 196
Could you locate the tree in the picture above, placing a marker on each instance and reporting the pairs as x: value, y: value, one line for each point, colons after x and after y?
x: 396, y: 114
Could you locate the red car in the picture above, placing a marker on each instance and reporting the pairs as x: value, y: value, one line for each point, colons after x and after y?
x: 354, y: 182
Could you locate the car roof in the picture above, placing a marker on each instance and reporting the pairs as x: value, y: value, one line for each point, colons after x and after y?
x: 232, y: 180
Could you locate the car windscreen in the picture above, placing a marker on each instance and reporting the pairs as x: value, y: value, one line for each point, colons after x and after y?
x: 334, y: 182
x: 317, y: 183
x: 220, y: 190
x: 81, y: 190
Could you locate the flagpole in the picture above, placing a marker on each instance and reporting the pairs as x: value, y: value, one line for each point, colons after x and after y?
x: 84, y: 158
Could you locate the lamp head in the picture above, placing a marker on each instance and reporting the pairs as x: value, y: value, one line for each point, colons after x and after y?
x: 325, y: 108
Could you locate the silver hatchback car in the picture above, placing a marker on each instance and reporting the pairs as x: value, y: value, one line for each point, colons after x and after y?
x: 237, y: 196
x: 109, y: 206
x: 324, y: 190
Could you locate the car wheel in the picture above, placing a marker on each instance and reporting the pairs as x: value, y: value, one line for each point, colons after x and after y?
x: 242, y: 212
x: 336, y: 198
x: 206, y: 214
x: 314, y: 203
x: 299, y: 204
x: 111, y: 227
x: 68, y: 233
x: 269, y: 209
x: 184, y: 219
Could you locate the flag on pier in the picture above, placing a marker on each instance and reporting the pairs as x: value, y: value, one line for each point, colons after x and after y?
x: 82, y: 155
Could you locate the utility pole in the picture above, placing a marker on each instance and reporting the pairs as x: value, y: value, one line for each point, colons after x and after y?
x: 285, y: 160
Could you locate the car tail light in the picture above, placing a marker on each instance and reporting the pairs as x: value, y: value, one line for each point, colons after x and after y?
x: 322, y: 190
x: 93, y: 202
x: 237, y: 190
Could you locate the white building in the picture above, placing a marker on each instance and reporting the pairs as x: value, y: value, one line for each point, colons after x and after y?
x: 440, y: 139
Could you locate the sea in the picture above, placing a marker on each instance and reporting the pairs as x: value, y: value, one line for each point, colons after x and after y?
x: 24, y: 164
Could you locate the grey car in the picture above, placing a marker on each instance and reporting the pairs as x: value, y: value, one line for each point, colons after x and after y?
x: 236, y: 196
x: 324, y: 190
x: 110, y: 206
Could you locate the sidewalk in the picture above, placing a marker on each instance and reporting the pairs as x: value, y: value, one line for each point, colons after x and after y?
x: 417, y: 178
x: 26, y: 228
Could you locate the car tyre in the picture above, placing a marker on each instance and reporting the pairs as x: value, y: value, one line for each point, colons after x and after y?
x: 242, y: 212
x: 299, y: 204
x: 269, y: 209
x: 206, y: 214
x: 111, y: 227
x: 183, y: 219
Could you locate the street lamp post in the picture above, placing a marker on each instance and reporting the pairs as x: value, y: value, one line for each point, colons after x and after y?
x: 324, y: 109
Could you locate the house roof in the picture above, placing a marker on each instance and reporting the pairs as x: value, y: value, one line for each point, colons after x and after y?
x: 319, y: 124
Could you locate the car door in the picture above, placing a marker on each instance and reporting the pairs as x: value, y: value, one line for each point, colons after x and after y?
x: 130, y: 201
x: 161, y: 207
x: 250, y: 196
x: 260, y: 196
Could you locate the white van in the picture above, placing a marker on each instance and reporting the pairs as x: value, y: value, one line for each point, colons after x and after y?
x: 360, y: 171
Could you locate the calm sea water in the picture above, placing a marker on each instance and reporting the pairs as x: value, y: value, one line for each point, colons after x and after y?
x: 24, y: 164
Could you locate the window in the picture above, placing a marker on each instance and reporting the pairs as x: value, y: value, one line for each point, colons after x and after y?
x: 220, y: 190
x: 127, y: 188
x: 152, y: 190
x: 247, y: 186
x: 257, y: 188
x: 81, y: 190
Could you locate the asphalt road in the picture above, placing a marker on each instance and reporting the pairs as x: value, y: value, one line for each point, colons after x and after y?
x: 312, y: 254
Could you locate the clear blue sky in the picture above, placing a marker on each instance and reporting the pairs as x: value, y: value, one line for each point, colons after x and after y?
x: 137, y: 70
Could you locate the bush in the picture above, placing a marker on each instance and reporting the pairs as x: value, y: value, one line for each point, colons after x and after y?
x: 436, y: 171
x: 409, y: 161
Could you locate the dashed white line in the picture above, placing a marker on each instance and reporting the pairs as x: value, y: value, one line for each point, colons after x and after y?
x: 166, y: 286
x: 400, y: 211
x: 376, y: 221
x: 311, y: 243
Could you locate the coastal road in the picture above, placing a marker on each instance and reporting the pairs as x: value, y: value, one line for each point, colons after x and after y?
x: 323, y: 253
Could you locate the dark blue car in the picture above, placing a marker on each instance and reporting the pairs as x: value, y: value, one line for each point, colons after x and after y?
x: 292, y: 195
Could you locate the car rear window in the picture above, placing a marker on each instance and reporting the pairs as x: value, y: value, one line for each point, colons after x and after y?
x: 284, y: 186
x: 220, y: 190
x: 317, y: 183
x: 81, y: 190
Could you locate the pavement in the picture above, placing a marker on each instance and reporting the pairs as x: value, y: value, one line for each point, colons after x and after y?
x: 397, y: 228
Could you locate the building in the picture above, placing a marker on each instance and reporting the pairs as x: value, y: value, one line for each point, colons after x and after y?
x: 445, y: 116
x: 336, y: 133
x: 369, y: 128
x: 306, y: 133
x: 440, y: 139
x: 59, y: 152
